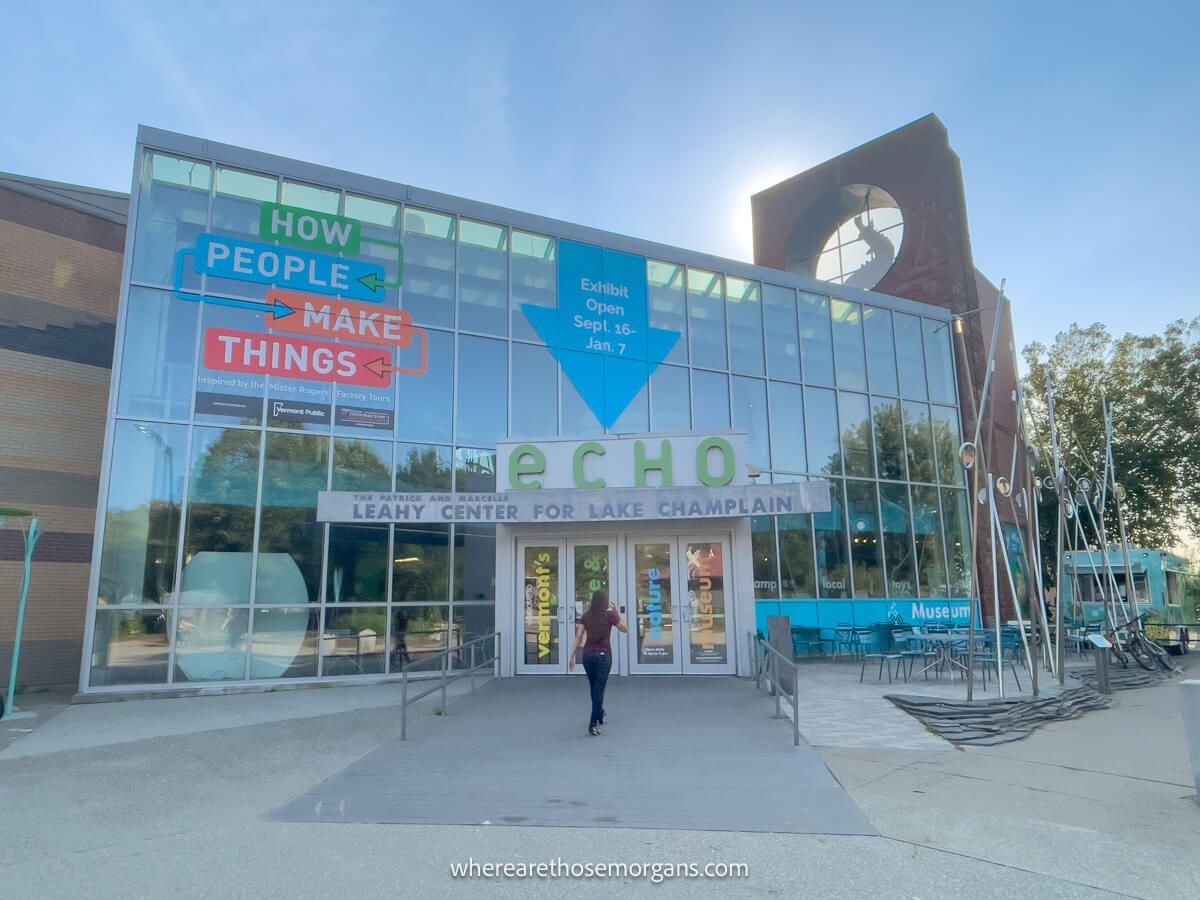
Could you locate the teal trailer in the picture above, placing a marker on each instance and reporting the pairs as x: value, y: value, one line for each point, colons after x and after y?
x: 1166, y: 585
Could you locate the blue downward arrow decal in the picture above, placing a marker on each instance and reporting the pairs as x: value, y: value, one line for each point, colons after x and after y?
x: 600, y: 333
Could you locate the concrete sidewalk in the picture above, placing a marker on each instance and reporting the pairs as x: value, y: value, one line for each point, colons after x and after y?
x: 149, y: 797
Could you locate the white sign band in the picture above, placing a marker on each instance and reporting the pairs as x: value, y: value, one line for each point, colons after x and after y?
x: 628, y: 505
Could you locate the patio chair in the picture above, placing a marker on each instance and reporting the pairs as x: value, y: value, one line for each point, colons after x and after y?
x: 885, y: 657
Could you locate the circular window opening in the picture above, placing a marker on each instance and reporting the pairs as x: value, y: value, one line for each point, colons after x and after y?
x: 852, y: 235
x: 866, y: 242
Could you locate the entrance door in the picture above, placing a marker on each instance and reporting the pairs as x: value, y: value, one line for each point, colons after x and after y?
x: 556, y: 581
x: 679, y: 614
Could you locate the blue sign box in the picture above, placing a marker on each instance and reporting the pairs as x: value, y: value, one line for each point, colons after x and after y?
x: 600, y: 332
x: 289, y: 268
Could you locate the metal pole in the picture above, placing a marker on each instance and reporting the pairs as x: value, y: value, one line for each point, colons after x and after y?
x: 975, y: 600
x: 795, y: 707
x: 1012, y: 586
x: 31, y: 539
x: 995, y: 582
x: 403, y: 703
x: 1059, y: 637
x: 1111, y: 468
x: 445, y: 668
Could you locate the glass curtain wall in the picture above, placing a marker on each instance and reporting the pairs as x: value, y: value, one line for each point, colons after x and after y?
x: 214, y: 568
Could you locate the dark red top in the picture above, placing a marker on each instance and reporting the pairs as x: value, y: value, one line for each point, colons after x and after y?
x: 598, y: 630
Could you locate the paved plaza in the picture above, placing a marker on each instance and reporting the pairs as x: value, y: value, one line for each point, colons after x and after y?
x: 310, y: 793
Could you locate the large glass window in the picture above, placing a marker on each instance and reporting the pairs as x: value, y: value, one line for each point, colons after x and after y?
x: 354, y: 641
x: 706, y: 319
x: 212, y: 643
x: 423, y: 468
x: 358, y: 563
x: 172, y: 211
x: 141, y: 527
x: 833, y: 556
x: 821, y: 430
x: 881, y: 350
x: 482, y: 277
x: 766, y: 562
x: 927, y: 529
x: 533, y: 279
x: 919, y: 438
x: 418, y: 635
x: 284, y: 642
x: 429, y: 248
x: 534, y: 391
x: 308, y: 196
x: 578, y: 418
x: 710, y: 400
x: 958, y: 542
x: 787, y: 428
x: 424, y: 408
x: 939, y: 361
x: 380, y: 239
x: 634, y: 418
x: 797, y: 568
x: 224, y: 397
x: 157, y: 358
x: 219, y: 540
x: 665, y: 286
x: 889, y: 438
x: 897, y: 541
x: 482, y: 391
x: 909, y: 358
x: 670, y: 397
x: 865, y: 549
x: 816, y: 344
x: 745, y: 325
x: 783, y: 341
x: 475, y: 564
x: 855, y: 415
x: 421, y: 564
x: 237, y: 211
x: 295, y: 469
x: 474, y: 471
x: 946, y: 442
x: 848, y: 345
x: 750, y: 415
x: 130, y: 647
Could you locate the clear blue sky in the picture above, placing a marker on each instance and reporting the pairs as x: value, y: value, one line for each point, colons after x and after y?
x: 1077, y: 124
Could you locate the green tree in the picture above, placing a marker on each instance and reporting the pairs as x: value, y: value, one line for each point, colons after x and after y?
x: 1152, y: 385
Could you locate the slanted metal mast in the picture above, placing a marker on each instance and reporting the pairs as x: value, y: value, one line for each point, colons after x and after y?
x: 31, y: 538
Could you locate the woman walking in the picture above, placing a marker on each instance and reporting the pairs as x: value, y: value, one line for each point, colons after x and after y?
x: 592, y: 634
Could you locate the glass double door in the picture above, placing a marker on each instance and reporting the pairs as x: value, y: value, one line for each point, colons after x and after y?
x: 557, y: 579
x: 673, y: 591
x: 679, y: 614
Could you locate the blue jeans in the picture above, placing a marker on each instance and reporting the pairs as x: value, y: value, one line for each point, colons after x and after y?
x: 597, y: 666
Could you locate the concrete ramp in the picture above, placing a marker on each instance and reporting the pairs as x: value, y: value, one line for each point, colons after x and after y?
x: 692, y: 753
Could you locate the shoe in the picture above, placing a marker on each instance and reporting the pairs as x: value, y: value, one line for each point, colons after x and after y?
x: 594, y: 730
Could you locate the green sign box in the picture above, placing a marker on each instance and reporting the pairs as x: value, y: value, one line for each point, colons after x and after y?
x: 308, y: 229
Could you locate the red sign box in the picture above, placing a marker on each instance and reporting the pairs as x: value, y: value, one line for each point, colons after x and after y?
x: 326, y: 317
x: 226, y: 350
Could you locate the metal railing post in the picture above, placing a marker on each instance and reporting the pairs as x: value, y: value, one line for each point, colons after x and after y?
x: 472, y: 668
x: 445, y: 669
x: 404, y: 704
x: 795, y: 705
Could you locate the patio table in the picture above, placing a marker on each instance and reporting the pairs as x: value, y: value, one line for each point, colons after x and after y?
x: 943, y: 645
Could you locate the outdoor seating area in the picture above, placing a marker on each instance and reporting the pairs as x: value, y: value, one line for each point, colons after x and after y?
x: 902, y: 652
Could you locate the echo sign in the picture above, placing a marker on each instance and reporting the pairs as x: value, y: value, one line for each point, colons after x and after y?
x: 683, y: 460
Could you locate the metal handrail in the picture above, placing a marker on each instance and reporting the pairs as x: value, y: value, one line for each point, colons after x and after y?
x: 768, y: 664
x: 445, y: 678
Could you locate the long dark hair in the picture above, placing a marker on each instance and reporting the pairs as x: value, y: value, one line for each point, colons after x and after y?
x: 597, y: 608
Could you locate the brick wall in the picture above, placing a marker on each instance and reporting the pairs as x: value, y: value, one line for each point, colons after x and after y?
x: 60, y: 270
